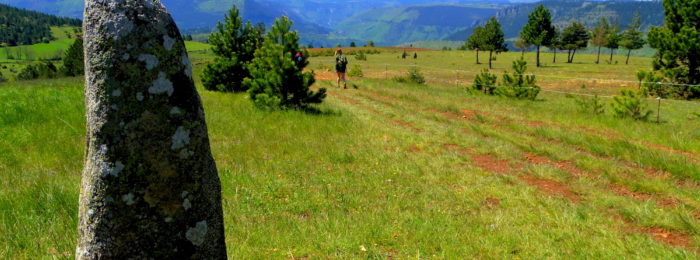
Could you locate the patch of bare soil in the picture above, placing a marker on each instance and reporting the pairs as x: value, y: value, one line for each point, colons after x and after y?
x: 661, y: 202
x: 552, y: 187
x: 491, y: 164
x: 491, y: 202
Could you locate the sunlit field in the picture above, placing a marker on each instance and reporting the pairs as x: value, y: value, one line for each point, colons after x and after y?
x: 397, y: 171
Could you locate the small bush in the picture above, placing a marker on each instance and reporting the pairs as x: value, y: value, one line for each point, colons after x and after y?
x: 413, y: 76
x: 2, y: 78
x: 356, y: 71
x: 44, y: 70
x: 360, y: 56
x: 630, y: 105
x: 593, y: 105
x: 485, y: 82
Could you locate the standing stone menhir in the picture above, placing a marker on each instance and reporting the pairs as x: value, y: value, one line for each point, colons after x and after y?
x: 150, y: 188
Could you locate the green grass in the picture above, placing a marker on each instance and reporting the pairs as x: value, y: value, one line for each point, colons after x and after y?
x: 389, y: 169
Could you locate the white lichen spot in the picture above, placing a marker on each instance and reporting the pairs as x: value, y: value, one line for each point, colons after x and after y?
x: 150, y: 60
x: 168, y: 42
x: 118, y: 167
x: 139, y: 96
x: 188, y: 65
x: 117, y: 93
x: 168, y: 220
x: 184, y: 194
x: 187, y: 204
x: 175, y: 111
x: 91, y: 213
x: 197, y: 234
x: 115, y: 107
x: 181, y: 138
x: 129, y: 199
x: 148, y: 3
x: 122, y: 124
x: 161, y: 85
x: 126, y: 57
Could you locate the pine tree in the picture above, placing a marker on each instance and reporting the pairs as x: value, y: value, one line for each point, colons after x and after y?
x: 555, y: 44
x: 539, y: 30
x: 493, y: 38
x: 519, y: 84
x: 475, y: 41
x: 277, y: 77
x: 521, y: 45
x: 352, y: 44
x: 485, y: 82
x: 678, y: 51
x: 613, y: 41
x: 633, y: 38
x: 234, y: 43
x: 573, y: 38
x: 73, y: 61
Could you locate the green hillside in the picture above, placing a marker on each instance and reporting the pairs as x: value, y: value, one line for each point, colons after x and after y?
x: 23, y: 27
x: 392, y: 25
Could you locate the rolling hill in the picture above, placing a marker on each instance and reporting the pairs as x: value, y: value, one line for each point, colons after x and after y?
x: 393, y: 25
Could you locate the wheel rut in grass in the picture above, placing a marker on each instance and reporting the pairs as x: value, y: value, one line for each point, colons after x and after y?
x: 559, y: 189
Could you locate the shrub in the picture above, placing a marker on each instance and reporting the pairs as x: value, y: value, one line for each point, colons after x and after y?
x: 630, y: 105
x: 519, y: 85
x: 40, y: 70
x: 592, y: 105
x: 2, y: 78
x: 356, y: 71
x: 234, y: 43
x: 412, y: 76
x: 360, y: 55
x: 485, y: 82
x: 277, y: 77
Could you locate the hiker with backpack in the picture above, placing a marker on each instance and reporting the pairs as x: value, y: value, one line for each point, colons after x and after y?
x: 341, y: 65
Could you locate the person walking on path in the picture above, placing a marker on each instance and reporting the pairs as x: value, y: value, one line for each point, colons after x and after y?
x: 341, y: 65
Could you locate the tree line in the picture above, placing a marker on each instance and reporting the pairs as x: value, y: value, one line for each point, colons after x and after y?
x: 678, y: 55
x: 23, y: 27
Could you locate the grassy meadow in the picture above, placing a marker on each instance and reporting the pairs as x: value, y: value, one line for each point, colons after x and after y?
x: 396, y: 171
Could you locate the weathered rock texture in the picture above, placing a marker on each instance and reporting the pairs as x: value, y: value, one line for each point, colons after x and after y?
x: 150, y: 188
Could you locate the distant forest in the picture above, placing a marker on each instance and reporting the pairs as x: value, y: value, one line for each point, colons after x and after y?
x: 23, y: 27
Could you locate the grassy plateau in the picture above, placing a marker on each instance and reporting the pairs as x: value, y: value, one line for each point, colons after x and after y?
x: 396, y: 171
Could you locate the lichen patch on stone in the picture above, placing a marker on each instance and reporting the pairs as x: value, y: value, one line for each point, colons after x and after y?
x: 187, y: 204
x: 118, y: 168
x: 181, y: 138
x: 161, y: 85
x: 139, y: 96
x: 175, y: 111
x: 168, y: 42
x: 188, y: 65
x: 150, y: 60
x: 129, y: 199
x: 197, y: 234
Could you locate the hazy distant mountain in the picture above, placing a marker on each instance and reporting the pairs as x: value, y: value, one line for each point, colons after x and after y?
x: 329, y: 22
x: 564, y: 12
x: 394, y: 25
